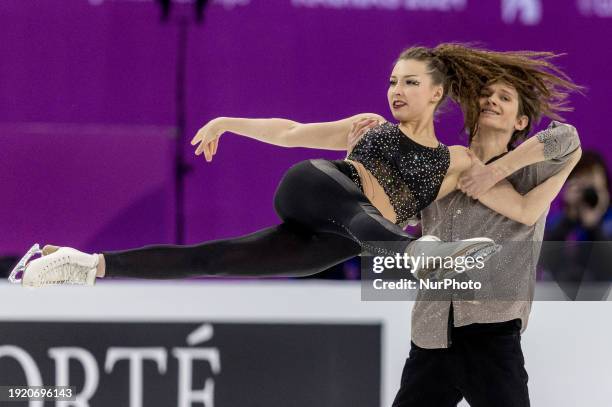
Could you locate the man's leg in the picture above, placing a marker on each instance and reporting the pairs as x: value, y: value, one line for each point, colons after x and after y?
x: 491, y: 364
x: 427, y: 380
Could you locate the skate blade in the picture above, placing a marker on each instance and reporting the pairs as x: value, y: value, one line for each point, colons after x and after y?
x: 484, y: 252
x: 17, y: 273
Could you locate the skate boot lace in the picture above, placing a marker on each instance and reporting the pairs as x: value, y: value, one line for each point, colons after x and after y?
x: 63, y: 271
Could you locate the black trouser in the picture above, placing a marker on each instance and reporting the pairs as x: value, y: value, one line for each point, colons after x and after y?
x: 484, y: 365
x: 326, y: 220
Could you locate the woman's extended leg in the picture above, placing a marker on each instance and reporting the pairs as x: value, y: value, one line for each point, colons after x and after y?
x: 284, y: 250
x: 327, y: 219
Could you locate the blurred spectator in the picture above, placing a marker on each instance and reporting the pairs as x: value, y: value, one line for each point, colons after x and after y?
x: 585, y: 224
x: 586, y: 213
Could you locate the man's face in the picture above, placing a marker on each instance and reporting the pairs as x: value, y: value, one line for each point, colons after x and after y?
x: 499, y: 105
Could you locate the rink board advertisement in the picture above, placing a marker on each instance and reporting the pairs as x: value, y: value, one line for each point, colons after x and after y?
x: 189, y: 364
x: 269, y: 343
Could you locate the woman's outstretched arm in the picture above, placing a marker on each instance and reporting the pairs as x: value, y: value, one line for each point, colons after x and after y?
x: 280, y: 132
x: 528, y: 208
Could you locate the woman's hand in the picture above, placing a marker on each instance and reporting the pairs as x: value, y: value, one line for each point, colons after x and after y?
x: 358, y: 129
x: 208, y: 138
x: 477, y: 180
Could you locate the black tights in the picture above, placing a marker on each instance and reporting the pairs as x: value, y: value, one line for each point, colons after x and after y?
x: 326, y: 220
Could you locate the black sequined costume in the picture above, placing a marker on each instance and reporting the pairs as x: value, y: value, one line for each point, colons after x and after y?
x: 326, y: 217
x: 411, y: 174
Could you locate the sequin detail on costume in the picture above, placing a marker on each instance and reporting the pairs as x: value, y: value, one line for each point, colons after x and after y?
x: 553, y: 143
x: 355, y: 176
x: 410, y: 174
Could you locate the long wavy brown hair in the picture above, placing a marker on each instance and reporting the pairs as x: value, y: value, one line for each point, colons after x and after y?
x: 464, y: 71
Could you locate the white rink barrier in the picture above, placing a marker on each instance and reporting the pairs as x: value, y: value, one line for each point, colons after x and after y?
x: 184, y: 326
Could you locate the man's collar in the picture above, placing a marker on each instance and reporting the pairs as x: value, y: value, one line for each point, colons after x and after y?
x: 497, y: 157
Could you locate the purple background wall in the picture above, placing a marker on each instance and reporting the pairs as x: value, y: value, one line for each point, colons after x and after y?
x: 87, y: 100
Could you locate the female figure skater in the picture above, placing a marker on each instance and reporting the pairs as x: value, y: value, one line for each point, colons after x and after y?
x: 330, y: 209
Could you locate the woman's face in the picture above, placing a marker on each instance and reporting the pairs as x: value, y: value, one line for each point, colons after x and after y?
x: 499, y: 105
x: 411, y: 94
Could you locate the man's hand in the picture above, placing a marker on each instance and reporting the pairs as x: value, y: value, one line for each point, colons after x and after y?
x: 358, y: 129
x: 477, y: 180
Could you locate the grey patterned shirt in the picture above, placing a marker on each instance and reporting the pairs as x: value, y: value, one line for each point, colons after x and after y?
x: 458, y: 216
